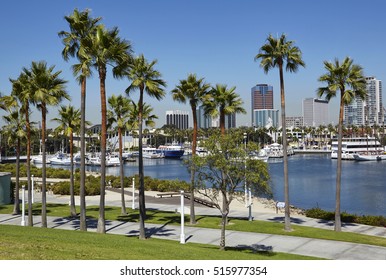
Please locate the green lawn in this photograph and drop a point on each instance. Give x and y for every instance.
(35, 243)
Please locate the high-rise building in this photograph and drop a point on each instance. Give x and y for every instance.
(265, 118)
(180, 119)
(315, 112)
(368, 111)
(261, 99)
(207, 121)
(293, 122)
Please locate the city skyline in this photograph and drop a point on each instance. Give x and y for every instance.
(217, 40)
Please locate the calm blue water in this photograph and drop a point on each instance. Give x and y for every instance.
(311, 181)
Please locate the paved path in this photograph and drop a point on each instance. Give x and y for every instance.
(296, 245)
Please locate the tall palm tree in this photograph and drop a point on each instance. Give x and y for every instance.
(144, 78)
(194, 91)
(21, 91)
(120, 107)
(281, 53)
(14, 130)
(49, 90)
(82, 26)
(69, 122)
(347, 78)
(106, 48)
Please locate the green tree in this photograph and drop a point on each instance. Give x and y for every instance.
(48, 90)
(69, 122)
(281, 53)
(106, 48)
(223, 102)
(82, 27)
(144, 78)
(346, 78)
(21, 91)
(120, 107)
(14, 130)
(194, 91)
(226, 169)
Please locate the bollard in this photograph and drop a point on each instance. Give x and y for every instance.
(182, 236)
(133, 196)
(23, 206)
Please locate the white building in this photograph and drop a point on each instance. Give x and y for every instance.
(315, 112)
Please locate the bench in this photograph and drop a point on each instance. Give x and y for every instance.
(168, 194)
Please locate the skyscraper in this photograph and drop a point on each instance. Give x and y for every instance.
(315, 112)
(368, 111)
(180, 119)
(262, 99)
(207, 121)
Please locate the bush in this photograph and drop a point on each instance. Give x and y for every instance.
(318, 213)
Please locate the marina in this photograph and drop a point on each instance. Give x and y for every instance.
(312, 179)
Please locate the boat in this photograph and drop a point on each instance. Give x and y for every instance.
(357, 146)
(111, 160)
(149, 152)
(60, 159)
(261, 155)
(274, 150)
(38, 159)
(171, 151)
(369, 156)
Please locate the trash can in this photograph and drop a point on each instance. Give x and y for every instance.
(5, 188)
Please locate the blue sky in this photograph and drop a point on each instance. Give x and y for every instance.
(215, 39)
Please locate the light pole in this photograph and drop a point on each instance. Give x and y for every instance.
(182, 236)
(248, 193)
(133, 195)
(23, 206)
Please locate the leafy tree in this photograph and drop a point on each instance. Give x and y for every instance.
(346, 78)
(223, 173)
(281, 53)
(48, 90)
(144, 78)
(194, 91)
(82, 27)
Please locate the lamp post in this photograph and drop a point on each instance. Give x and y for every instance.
(133, 195)
(23, 206)
(182, 236)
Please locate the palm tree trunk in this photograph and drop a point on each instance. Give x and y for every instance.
(122, 174)
(72, 194)
(193, 168)
(44, 173)
(287, 217)
(101, 220)
(16, 206)
(224, 219)
(28, 128)
(141, 195)
(338, 223)
(82, 191)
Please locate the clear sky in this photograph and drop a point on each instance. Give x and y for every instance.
(216, 39)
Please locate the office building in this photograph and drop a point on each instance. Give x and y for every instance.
(207, 121)
(315, 112)
(261, 98)
(294, 122)
(180, 119)
(265, 118)
(368, 111)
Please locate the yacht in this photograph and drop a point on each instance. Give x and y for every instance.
(356, 146)
(171, 151)
(150, 152)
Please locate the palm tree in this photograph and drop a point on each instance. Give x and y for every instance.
(21, 91)
(281, 53)
(120, 107)
(82, 26)
(193, 90)
(69, 122)
(223, 102)
(144, 78)
(15, 131)
(347, 78)
(106, 48)
(49, 90)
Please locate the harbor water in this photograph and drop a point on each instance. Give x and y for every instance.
(312, 181)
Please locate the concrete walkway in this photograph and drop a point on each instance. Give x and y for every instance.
(295, 245)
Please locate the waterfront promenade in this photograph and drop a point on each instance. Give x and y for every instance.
(295, 245)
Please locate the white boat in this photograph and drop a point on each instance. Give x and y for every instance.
(110, 161)
(274, 150)
(60, 159)
(357, 145)
(150, 152)
(370, 156)
(38, 159)
(261, 155)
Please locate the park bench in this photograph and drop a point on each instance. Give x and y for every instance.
(168, 194)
